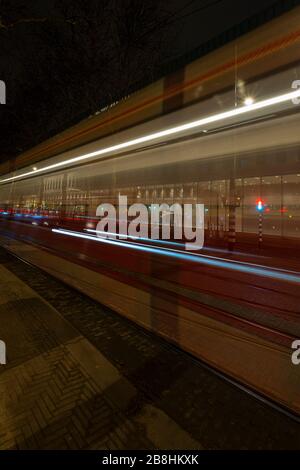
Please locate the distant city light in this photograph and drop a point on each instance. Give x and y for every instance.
(248, 101)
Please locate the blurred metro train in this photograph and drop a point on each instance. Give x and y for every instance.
(222, 131)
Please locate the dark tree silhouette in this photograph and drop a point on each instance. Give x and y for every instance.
(70, 58)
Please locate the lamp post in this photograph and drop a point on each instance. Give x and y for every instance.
(260, 208)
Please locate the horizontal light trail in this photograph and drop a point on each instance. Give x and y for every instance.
(165, 133)
(114, 235)
(155, 241)
(247, 268)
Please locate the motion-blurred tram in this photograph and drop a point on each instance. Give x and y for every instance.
(223, 131)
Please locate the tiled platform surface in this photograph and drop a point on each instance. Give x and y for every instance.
(79, 376)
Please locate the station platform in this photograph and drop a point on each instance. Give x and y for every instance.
(80, 376)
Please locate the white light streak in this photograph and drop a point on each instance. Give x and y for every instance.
(165, 133)
(248, 101)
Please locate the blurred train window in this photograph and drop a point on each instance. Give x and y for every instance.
(217, 213)
(251, 192)
(203, 197)
(291, 205)
(239, 213)
(272, 198)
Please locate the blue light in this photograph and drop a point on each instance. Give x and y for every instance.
(259, 205)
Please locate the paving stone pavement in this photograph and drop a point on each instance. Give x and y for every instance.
(80, 376)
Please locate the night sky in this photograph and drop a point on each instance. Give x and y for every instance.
(64, 60)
